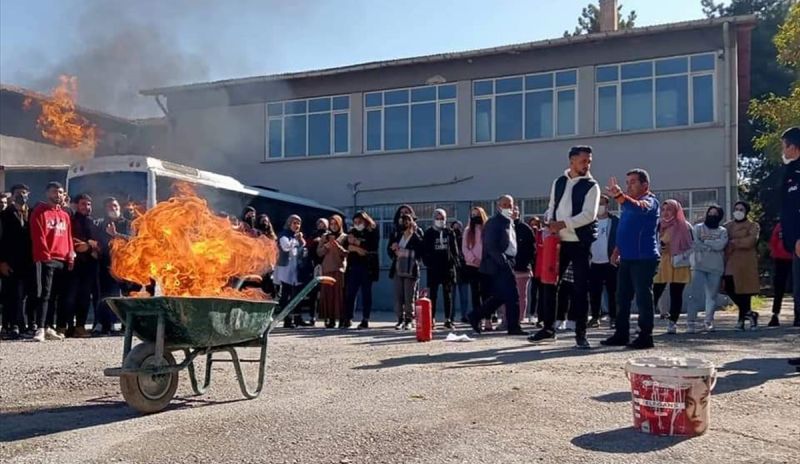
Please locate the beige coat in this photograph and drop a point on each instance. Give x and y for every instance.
(334, 259)
(741, 256)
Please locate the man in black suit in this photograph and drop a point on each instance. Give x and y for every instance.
(497, 267)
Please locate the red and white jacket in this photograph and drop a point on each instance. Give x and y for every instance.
(51, 234)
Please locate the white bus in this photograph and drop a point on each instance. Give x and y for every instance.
(145, 181)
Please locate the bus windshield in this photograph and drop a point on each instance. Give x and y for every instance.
(126, 187)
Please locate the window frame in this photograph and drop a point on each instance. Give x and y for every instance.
(409, 104)
(331, 126)
(554, 88)
(690, 75)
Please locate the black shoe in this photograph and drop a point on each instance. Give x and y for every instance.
(641, 343)
(753, 316)
(793, 361)
(494, 319)
(539, 325)
(288, 324)
(593, 324)
(774, 322)
(517, 331)
(14, 334)
(364, 324)
(582, 343)
(448, 324)
(399, 324)
(796, 323)
(614, 340)
(475, 324)
(543, 336)
(330, 324)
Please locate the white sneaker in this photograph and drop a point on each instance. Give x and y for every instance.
(39, 336)
(97, 329)
(672, 328)
(708, 326)
(561, 325)
(570, 325)
(691, 327)
(50, 334)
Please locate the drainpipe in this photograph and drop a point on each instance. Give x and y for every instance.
(730, 163)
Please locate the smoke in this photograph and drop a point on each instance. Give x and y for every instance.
(124, 47)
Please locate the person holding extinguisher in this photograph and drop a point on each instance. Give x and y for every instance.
(574, 200)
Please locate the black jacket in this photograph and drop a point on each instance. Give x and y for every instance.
(370, 241)
(84, 229)
(495, 242)
(440, 254)
(16, 248)
(415, 243)
(526, 247)
(790, 205)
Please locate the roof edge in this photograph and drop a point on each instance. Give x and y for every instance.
(525, 46)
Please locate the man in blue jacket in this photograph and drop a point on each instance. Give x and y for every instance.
(790, 213)
(637, 252)
(497, 268)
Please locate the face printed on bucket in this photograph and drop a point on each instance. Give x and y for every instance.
(697, 406)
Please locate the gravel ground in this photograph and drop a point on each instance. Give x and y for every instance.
(378, 396)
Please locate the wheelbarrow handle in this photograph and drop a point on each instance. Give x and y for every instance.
(324, 280)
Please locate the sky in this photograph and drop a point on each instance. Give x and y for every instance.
(150, 43)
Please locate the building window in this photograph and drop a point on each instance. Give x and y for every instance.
(669, 92)
(313, 127)
(410, 119)
(695, 202)
(536, 106)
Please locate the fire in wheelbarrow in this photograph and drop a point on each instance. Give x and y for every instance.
(192, 256)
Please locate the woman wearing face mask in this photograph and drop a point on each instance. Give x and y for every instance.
(741, 265)
(290, 251)
(400, 224)
(708, 264)
(362, 247)
(472, 247)
(674, 269)
(441, 258)
(405, 249)
(334, 262)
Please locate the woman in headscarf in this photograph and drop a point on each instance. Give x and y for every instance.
(674, 269)
(264, 227)
(362, 268)
(741, 266)
(334, 262)
(290, 251)
(708, 264)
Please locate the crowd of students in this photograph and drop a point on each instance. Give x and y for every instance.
(54, 261)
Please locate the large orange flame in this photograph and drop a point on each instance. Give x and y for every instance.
(189, 251)
(59, 122)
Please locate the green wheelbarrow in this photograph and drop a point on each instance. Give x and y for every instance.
(195, 326)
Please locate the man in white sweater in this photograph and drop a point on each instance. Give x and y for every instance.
(572, 214)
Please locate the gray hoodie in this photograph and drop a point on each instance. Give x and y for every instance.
(709, 249)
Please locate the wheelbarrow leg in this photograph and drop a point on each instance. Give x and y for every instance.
(198, 388)
(262, 363)
(126, 344)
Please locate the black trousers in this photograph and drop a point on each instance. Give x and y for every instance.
(476, 284)
(675, 298)
(289, 291)
(741, 300)
(579, 256)
(502, 291)
(780, 277)
(17, 289)
(563, 301)
(603, 276)
(447, 294)
(50, 278)
(82, 284)
(536, 296)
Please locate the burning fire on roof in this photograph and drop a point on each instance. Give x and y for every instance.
(189, 251)
(59, 123)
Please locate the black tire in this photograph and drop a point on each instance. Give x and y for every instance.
(147, 393)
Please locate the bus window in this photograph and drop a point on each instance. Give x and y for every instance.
(126, 187)
(219, 200)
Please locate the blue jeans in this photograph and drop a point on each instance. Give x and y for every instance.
(635, 277)
(709, 282)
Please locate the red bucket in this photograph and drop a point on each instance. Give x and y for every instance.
(671, 396)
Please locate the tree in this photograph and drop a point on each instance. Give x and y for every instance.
(589, 21)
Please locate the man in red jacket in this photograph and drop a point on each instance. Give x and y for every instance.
(53, 255)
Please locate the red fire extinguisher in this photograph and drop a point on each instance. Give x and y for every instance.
(548, 258)
(423, 316)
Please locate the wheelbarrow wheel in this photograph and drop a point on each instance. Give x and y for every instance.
(144, 392)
